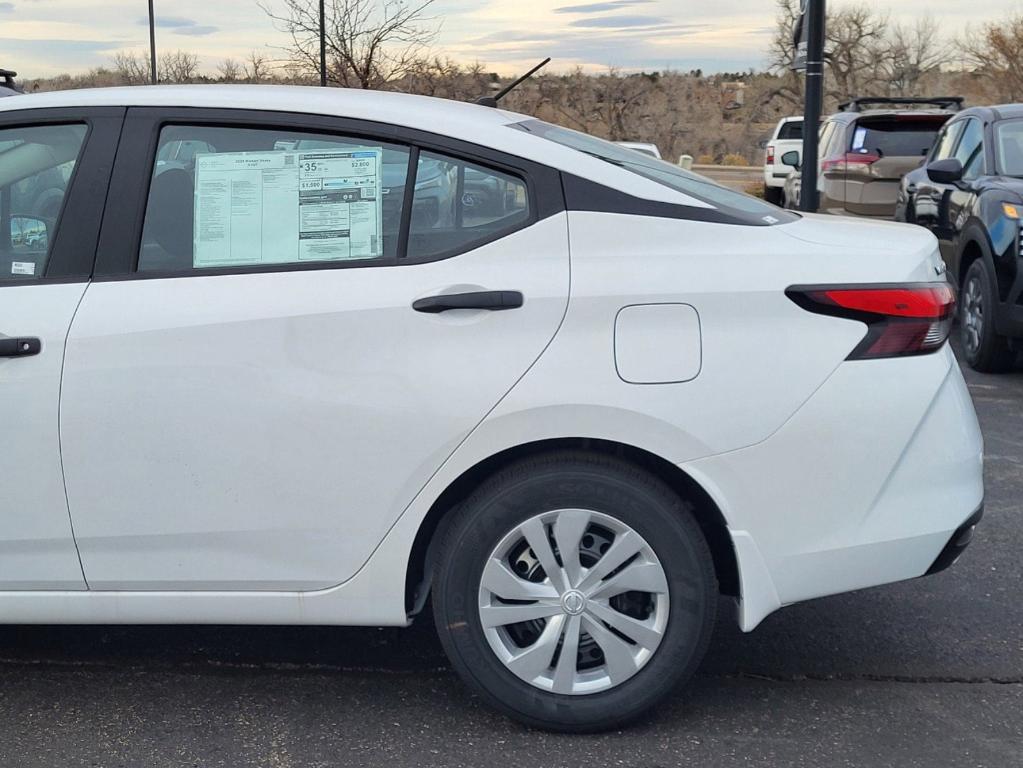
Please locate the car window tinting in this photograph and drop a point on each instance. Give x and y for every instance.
(895, 137)
(36, 164)
(742, 207)
(970, 151)
(242, 197)
(791, 130)
(457, 204)
(1009, 147)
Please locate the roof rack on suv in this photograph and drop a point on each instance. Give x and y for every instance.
(8, 79)
(942, 102)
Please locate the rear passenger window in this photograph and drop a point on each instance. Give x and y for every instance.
(791, 131)
(457, 206)
(241, 197)
(36, 164)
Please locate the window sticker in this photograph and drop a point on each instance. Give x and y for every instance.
(859, 139)
(23, 268)
(287, 206)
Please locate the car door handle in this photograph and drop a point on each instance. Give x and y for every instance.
(22, 347)
(494, 301)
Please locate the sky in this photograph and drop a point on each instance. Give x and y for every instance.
(45, 37)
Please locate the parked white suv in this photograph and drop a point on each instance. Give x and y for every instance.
(360, 348)
(787, 137)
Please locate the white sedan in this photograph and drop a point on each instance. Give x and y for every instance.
(309, 356)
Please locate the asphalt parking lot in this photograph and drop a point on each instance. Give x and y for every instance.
(923, 673)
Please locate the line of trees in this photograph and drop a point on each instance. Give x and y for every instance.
(387, 45)
(866, 54)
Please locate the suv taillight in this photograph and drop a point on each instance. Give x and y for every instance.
(770, 156)
(850, 160)
(911, 319)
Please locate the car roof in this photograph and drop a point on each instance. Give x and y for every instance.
(851, 117)
(996, 112)
(484, 126)
(380, 106)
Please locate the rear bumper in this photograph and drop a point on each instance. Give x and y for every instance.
(865, 485)
(961, 539)
(775, 175)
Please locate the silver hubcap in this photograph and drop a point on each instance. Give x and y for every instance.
(973, 316)
(573, 601)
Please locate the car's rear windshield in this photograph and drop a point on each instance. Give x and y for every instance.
(897, 136)
(1009, 148)
(792, 130)
(744, 208)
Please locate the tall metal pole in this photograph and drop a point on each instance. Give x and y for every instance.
(323, 45)
(152, 44)
(815, 13)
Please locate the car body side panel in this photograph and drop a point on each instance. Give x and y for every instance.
(269, 428)
(917, 478)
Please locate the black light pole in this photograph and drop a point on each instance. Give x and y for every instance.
(814, 21)
(152, 45)
(323, 46)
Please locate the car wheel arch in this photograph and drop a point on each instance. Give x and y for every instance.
(707, 512)
(973, 246)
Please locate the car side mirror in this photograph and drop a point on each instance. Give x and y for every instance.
(792, 158)
(29, 233)
(947, 171)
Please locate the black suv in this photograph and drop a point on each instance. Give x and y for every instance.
(969, 193)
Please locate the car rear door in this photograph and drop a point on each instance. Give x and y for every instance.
(883, 150)
(54, 171)
(289, 339)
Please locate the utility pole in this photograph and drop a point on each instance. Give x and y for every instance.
(152, 44)
(810, 56)
(323, 45)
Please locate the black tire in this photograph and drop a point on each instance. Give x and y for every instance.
(985, 350)
(574, 480)
(774, 195)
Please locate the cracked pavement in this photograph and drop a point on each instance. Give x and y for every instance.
(923, 673)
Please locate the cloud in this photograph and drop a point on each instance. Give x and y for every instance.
(196, 30)
(169, 22)
(180, 25)
(617, 22)
(58, 46)
(608, 5)
(6, 7)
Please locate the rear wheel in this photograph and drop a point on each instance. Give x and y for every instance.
(774, 195)
(984, 348)
(574, 592)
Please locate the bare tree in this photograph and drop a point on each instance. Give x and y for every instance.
(370, 43)
(856, 52)
(229, 70)
(995, 51)
(131, 67)
(864, 54)
(781, 55)
(178, 67)
(257, 66)
(913, 53)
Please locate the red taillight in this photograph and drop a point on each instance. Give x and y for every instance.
(848, 160)
(770, 155)
(901, 319)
